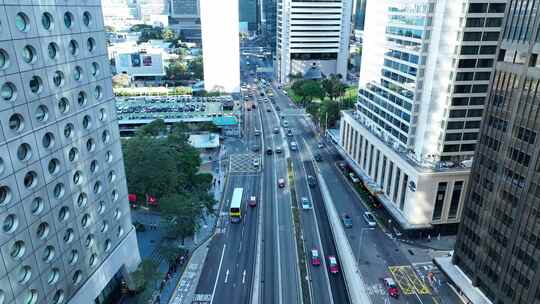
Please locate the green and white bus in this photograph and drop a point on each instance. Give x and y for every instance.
(235, 211)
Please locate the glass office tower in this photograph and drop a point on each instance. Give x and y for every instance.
(498, 246)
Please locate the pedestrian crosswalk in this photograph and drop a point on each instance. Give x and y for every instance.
(408, 280)
(244, 163)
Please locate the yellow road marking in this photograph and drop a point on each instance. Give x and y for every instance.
(408, 280)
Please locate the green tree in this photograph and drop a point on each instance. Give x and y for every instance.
(142, 278)
(329, 113)
(196, 68)
(310, 90)
(109, 28)
(169, 35)
(177, 70)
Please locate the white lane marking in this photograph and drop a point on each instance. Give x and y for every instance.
(244, 277)
(217, 276)
(240, 247)
(227, 276)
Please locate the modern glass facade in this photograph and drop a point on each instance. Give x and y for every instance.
(498, 245)
(249, 13)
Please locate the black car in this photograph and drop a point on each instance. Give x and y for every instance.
(317, 157)
(278, 108)
(269, 151)
(256, 148)
(312, 182)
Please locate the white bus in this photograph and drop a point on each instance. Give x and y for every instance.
(235, 211)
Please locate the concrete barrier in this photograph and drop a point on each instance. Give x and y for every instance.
(353, 278)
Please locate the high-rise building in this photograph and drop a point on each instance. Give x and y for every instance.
(66, 227)
(249, 13)
(312, 32)
(498, 246)
(359, 14)
(186, 18)
(268, 22)
(425, 73)
(221, 45)
(149, 8)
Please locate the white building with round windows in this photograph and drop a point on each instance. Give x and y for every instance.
(65, 226)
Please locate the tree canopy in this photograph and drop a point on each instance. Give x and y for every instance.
(161, 163)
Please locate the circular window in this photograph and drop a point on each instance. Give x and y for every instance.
(37, 206)
(73, 154)
(68, 237)
(73, 257)
(98, 92)
(48, 140)
(105, 136)
(47, 20)
(59, 190)
(53, 277)
(24, 273)
(117, 213)
(90, 144)
(108, 156)
(77, 277)
(29, 54)
(87, 18)
(5, 195)
(63, 214)
(114, 194)
(68, 19)
(53, 166)
(77, 177)
(91, 44)
(101, 207)
(84, 220)
(17, 249)
(82, 98)
(48, 254)
(107, 245)
(111, 176)
(63, 105)
(82, 199)
(92, 260)
(4, 60)
(11, 222)
(97, 187)
(102, 114)
(16, 122)
(89, 241)
(24, 152)
(31, 297)
(68, 130)
(77, 73)
(94, 166)
(58, 297)
(104, 226)
(52, 50)
(95, 69)
(22, 23)
(8, 91)
(36, 84)
(30, 179)
(87, 122)
(58, 78)
(119, 231)
(42, 113)
(73, 47)
(42, 230)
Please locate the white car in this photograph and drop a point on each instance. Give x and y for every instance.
(370, 219)
(306, 204)
(256, 163)
(353, 177)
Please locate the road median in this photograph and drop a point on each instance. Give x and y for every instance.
(299, 239)
(354, 282)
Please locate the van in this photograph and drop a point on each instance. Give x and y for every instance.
(293, 146)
